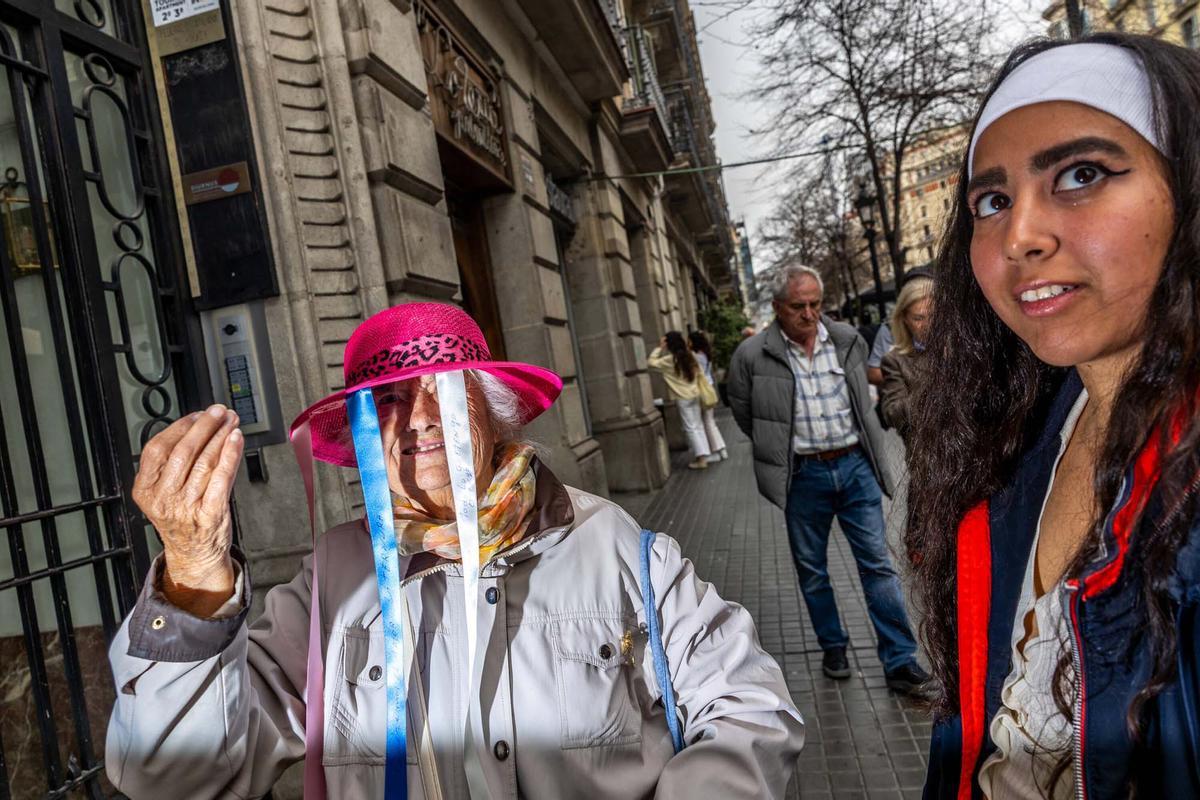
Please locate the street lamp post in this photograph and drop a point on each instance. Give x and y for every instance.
(865, 204)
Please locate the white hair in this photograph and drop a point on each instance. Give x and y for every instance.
(504, 406)
(794, 272)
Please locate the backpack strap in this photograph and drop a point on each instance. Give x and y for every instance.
(662, 670)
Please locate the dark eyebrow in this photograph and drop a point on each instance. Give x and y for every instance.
(1052, 155)
(992, 177)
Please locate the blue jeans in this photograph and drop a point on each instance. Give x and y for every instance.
(846, 487)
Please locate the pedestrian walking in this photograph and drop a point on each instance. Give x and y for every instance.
(903, 364)
(520, 657)
(702, 351)
(1054, 481)
(799, 391)
(687, 384)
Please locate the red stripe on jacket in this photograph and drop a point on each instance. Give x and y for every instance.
(974, 606)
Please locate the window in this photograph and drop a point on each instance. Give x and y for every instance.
(946, 203)
(1087, 20)
(1189, 32)
(929, 253)
(943, 184)
(1152, 13)
(927, 232)
(923, 211)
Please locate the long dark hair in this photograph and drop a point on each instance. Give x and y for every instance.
(699, 343)
(992, 394)
(685, 362)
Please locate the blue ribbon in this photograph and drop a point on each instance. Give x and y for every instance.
(662, 669)
(368, 447)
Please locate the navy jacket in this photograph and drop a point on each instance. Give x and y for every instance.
(996, 539)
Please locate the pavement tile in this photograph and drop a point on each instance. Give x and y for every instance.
(862, 739)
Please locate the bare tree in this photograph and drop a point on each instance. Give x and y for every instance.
(873, 76)
(812, 226)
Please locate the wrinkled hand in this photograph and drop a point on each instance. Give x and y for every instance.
(183, 486)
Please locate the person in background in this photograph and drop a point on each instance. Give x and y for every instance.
(702, 351)
(902, 366)
(682, 374)
(884, 339)
(880, 345)
(799, 391)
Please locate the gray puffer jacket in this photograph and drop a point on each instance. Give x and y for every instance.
(762, 392)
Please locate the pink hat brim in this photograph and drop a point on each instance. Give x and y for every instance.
(536, 387)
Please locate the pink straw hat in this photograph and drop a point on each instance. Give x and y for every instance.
(407, 341)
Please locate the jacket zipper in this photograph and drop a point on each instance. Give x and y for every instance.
(451, 564)
(1073, 586)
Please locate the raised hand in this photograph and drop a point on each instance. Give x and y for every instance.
(183, 486)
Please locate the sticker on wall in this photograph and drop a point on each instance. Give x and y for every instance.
(216, 183)
(167, 12)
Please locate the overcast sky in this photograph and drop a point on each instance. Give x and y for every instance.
(729, 68)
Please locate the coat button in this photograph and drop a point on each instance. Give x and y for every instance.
(501, 750)
(606, 650)
(376, 673)
(159, 623)
(492, 595)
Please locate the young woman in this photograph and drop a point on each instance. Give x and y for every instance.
(682, 374)
(702, 352)
(1054, 483)
(903, 365)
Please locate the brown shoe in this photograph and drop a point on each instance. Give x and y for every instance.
(699, 463)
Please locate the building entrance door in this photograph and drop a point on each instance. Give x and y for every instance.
(475, 269)
(96, 355)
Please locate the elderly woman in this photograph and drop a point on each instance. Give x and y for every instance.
(567, 695)
(902, 365)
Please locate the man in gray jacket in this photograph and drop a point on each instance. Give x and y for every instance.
(799, 391)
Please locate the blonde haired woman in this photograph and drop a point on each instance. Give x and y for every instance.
(902, 365)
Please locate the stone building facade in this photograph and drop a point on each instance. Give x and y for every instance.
(480, 151)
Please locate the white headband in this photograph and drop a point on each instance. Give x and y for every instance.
(1104, 76)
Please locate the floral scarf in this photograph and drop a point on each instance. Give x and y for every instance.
(503, 512)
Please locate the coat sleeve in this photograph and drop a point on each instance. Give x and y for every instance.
(894, 394)
(208, 708)
(743, 732)
(661, 361)
(738, 387)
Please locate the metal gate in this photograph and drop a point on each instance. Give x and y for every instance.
(95, 357)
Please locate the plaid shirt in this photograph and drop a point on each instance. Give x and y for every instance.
(821, 417)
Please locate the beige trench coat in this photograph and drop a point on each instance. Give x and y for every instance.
(568, 705)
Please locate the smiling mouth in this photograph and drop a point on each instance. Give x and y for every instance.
(424, 448)
(1047, 292)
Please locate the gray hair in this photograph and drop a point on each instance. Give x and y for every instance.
(504, 406)
(794, 272)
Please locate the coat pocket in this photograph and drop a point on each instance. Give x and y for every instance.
(356, 733)
(596, 701)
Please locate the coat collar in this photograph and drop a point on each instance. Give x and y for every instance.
(776, 344)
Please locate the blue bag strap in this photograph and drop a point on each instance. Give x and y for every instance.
(368, 447)
(662, 670)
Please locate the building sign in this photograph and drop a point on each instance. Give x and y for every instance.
(464, 95)
(216, 183)
(167, 12)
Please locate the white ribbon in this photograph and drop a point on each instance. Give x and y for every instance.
(456, 428)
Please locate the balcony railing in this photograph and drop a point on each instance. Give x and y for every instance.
(639, 50)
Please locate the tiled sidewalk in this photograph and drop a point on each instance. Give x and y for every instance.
(862, 740)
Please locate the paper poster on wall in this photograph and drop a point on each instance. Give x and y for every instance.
(168, 11)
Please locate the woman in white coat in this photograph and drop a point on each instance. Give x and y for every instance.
(564, 698)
